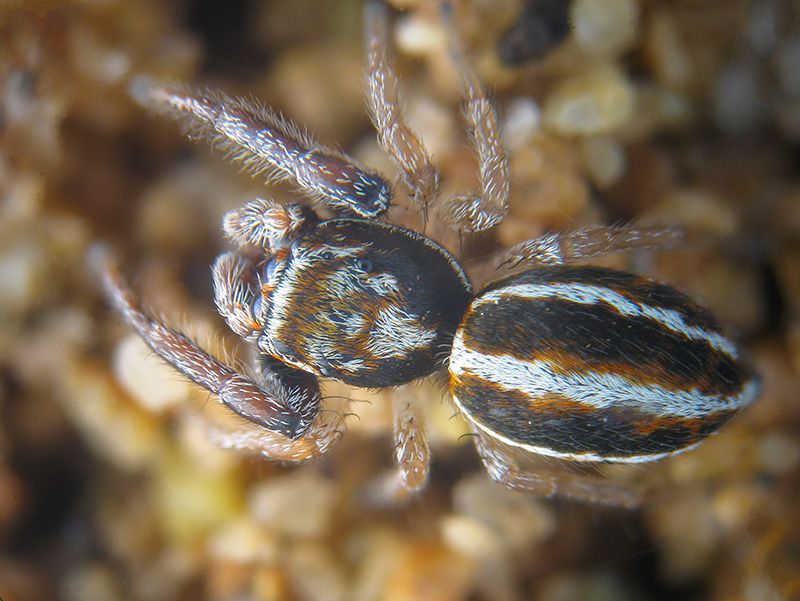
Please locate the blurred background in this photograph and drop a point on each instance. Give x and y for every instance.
(683, 112)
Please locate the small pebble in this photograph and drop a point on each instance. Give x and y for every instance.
(778, 452)
(550, 190)
(322, 88)
(695, 208)
(92, 581)
(541, 27)
(417, 36)
(737, 106)
(523, 117)
(244, 540)
(668, 55)
(686, 534)
(605, 160)
(150, 381)
(192, 502)
(21, 202)
(299, 504)
(429, 572)
(594, 103)
(605, 28)
(118, 430)
(24, 271)
(516, 520)
(469, 536)
(438, 128)
(315, 573)
(96, 59)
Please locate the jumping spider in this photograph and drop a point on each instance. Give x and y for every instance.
(583, 364)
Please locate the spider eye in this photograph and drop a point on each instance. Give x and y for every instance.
(327, 371)
(257, 304)
(364, 264)
(269, 269)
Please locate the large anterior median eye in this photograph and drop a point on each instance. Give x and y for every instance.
(269, 269)
(258, 303)
(364, 264)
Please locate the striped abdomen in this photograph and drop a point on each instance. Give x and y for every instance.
(595, 364)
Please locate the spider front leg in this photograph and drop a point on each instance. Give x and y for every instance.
(502, 466)
(247, 437)
(267, 143)
(284, 401)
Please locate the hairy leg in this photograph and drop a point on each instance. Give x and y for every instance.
(243, 436)
(285, 400)
(488, 206)
(565, 247)
(266, 143)
(411, 451)
(411, 440)
(419, 174)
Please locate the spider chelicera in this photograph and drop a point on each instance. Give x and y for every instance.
(583, 364)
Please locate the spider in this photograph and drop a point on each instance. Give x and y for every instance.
(584, 364)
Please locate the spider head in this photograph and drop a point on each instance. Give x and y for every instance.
(362, 302)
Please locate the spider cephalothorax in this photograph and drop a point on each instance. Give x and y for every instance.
(579, 363)
(363, 302)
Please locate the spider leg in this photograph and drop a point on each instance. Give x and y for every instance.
(502, 467)
(411, 450)
(565, 247)
(419, 174)
(411, 441)
(266, 143)
(246, 437)
(286, 401)
(487, 207)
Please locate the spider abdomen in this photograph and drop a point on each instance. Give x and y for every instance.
(594, 364)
